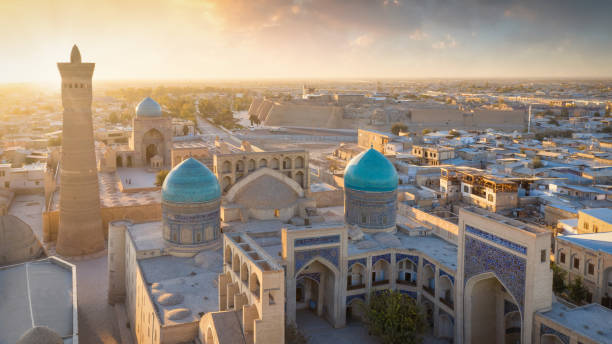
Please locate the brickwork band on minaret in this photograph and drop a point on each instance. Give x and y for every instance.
(80, 221)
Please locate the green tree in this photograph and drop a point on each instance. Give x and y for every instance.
(398, 127)
(454, 133)
(577, 291)
(294, 336)
(160, 177)
(254, 119)
(225, 118)
(537, 162)
(564, 113)
(395, 318)
(559, 276)
(55, 141)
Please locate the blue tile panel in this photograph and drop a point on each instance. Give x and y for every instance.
(350, 298)
(362, 261)
(330, 239)
(414, 259)
(510, 269)
(547, 330)
(315, 276)
(427, 262)
(412, 294)
(494, 238)
(444, 273)
(386, 257)
(331, 254)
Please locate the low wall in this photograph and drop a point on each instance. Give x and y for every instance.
(134, 213)
(442, 228)
(329, 198)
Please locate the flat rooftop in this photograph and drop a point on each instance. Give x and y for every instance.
(593, 321)
(604, 214)
(593, 241)
(37, 293)
(192, 281)
(430, 245)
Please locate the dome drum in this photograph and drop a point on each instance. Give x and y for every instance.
(371, 211)
(370, 192)
(191, 201)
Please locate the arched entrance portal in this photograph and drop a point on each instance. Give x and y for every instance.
(492, 314)
(152, 144)
(151, 152)
(315, 289)
(119, 161)
(551, 339)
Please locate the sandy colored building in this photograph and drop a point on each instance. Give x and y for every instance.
(588, 256)
(596, 220)
(433, 155)
(80, 222)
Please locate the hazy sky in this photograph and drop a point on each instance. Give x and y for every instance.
(233, 39)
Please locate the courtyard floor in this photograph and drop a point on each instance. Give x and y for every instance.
(320, 331)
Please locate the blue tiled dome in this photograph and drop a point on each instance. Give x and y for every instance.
(148, 108)
(370, 171)
(190, 182)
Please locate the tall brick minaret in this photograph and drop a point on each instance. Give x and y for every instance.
(80, 221)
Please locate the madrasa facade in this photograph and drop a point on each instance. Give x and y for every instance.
(235, 262)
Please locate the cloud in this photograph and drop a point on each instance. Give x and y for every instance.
(418, 35)
(447, 42)
(362, 41)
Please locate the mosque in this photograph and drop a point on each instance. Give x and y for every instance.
(220, 270)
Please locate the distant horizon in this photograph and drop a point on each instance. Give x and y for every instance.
(308, 39)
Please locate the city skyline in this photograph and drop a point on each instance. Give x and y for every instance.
(199, 40)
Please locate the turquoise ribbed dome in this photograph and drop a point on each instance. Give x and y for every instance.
(190, 182)
(148, 108)
(370, 171)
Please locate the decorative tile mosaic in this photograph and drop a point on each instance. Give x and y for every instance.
(427, 262)
(509, 307)
(412, 294)
(414, 259)
(331, 254)
(444, 273)
(547, 330)
(481, 257)
(386, 257)
(315, 276)
(362, 261)
(353, 297)
(494, 238)
(330, 239)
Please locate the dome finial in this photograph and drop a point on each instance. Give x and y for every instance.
(75, 55)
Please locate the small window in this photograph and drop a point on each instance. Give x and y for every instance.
(363, 219)
(562, 257)
(466, 189)
(7, 184)
(591, 269)
(490, 197)
(595, 229)
(586, 225)
(543, 256)
(276, 213)
(576, 263)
